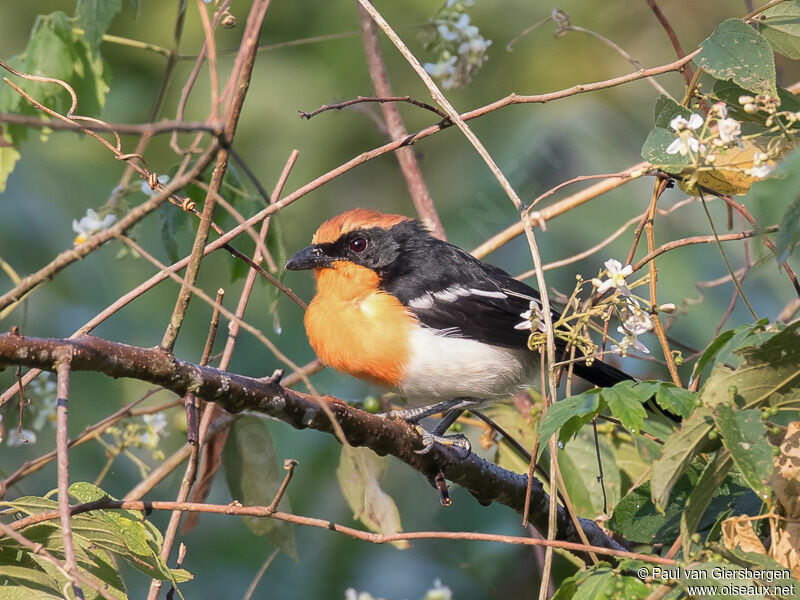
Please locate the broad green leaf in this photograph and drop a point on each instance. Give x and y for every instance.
(677, 453)
(676, 400)
(696, 504)
(579, 409)
(625, 402)
(736, 52)
(768, 370)
(578, 465)
(171, 220)
(254, 477)
(94, 17)
(609, 585)
(667, 109)
(359, 475)
(780, 25)
(743, 337)
(636, 519)
(745, 436)
(603, 582)
(47, 55)
(654, 151)
(723, 348)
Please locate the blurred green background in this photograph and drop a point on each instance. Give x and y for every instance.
(537, 146)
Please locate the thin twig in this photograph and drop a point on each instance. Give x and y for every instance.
(62, 439)
(371, 99)
(375, 538)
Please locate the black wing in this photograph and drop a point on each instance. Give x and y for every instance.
(449, 290)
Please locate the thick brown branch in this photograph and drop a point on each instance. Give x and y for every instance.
(484, 480)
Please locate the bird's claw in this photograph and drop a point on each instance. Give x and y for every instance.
(458, 442)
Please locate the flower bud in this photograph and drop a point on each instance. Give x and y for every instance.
(746, 99)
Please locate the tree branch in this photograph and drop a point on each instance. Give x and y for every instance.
(235, 393)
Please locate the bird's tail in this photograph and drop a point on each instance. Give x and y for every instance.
(600, 374)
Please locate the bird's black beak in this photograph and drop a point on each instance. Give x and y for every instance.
(312, 257)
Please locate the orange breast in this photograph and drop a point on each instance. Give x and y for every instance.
(356, 328)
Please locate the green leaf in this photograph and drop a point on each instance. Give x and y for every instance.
(745, 436)
(359, 475)
(676, 400)
(578, 410)
(677, 453)
(780, 25)
(667, 109)
(9, 156)
(94, 17)
(47, 55)
(254, 477)
(654, 151)
(699, 499)
(603, 582)
(171, 221)
(768, 370)
(735, 51)
(637, 520)
(578, 465)
(625, 401)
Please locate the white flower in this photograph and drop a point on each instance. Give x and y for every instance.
(679, 123)
(15, 439)
(445, 33)
(531, 317)
(90, 225)
(616, 278)
(147, 190)
(442, 68)
(628, 341)
(761, 171)
(156, 424)
(729, 130)
(636, 320)
(684, 144)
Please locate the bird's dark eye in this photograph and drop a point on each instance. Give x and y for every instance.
(358, 245)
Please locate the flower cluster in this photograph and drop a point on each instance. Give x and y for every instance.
(460, 47)
(635, 322)
(91, 225)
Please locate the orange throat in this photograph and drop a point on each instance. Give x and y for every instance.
(356, 328)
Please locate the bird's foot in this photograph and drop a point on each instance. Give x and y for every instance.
(458, 442)
(417, 413)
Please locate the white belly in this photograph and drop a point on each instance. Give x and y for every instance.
(442, 368)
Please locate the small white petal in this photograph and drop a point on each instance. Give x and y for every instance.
(695, 121)
(676, 146)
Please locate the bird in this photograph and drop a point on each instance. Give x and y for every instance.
(401, 308)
